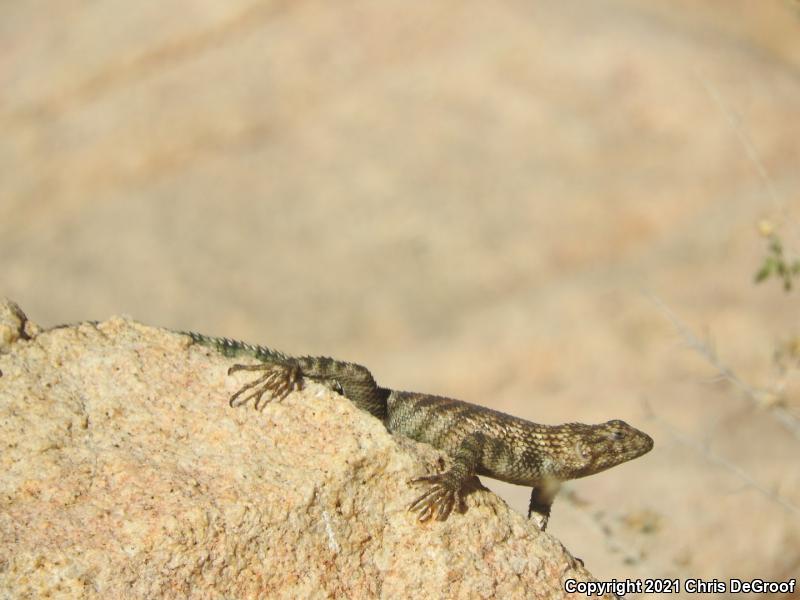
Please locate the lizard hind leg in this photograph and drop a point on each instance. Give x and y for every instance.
(438, 501)
(279, 380)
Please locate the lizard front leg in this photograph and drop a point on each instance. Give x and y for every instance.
(445, 493)
(541, 500)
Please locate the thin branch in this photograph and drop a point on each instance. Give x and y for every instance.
(760, 398)
(598, 522)
(735, 123)
(703, 449)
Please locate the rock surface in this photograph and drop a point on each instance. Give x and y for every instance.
(125, 474)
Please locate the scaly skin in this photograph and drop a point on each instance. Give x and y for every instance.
(480, 441)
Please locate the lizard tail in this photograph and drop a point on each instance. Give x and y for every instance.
(234, 348)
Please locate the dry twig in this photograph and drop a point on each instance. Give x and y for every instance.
(761, 398)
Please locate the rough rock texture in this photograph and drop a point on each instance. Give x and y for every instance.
(125, 474)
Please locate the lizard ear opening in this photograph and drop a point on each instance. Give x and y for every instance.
(583, 453)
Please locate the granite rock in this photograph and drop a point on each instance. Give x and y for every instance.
(126, 474)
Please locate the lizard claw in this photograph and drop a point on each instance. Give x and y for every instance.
(438, 501)
(278, 379)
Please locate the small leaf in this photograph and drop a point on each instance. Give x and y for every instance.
(763, 273)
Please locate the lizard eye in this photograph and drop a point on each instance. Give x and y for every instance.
(617, 436)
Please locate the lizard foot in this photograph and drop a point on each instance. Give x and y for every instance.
(439, 500)
(278, 379)
(540, 520)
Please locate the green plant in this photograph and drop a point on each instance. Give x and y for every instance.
(775, 264)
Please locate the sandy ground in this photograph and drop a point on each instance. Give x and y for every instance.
(492, 201)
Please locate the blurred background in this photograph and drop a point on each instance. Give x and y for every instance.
(552, 209)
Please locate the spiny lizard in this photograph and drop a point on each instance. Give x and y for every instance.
(480, 441)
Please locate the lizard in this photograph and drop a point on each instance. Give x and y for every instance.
(479, 440)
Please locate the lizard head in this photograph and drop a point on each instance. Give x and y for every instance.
(600, 447)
